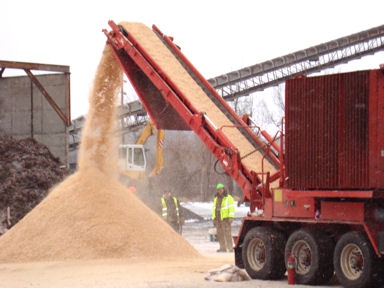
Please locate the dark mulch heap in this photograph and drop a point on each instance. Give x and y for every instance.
(27, 171)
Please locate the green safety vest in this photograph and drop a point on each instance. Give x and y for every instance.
(227, 207)
(164, 211)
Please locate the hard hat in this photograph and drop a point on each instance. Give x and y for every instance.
(132, 189)
(219, 186)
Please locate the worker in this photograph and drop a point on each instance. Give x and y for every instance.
(171, 211)
(223, 212)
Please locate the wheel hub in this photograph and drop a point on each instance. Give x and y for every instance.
(257, 254)
(302, 252)
(352, 261)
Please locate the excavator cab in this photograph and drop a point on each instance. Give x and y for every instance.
(132, 163)
(132, 157)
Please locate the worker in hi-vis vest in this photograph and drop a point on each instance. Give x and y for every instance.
(223, 212)
(171, 211)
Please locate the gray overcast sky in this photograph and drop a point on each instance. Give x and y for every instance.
(217, 36)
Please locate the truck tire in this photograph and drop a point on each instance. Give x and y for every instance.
(263, 253)
(355, 261)
(312, 251)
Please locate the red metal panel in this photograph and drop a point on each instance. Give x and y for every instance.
(334, 131)
(376, 124)
(286, 204)
(346, 211)
(311, 137)
(353, 130)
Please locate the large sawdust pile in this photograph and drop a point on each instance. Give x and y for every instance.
(91, 215)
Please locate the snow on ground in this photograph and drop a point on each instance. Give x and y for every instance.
(204, 209)
(197, 231)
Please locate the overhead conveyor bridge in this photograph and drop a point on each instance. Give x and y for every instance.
(270, 73)
(177, 97)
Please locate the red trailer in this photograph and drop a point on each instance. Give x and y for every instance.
(328, 211)
(317, 195)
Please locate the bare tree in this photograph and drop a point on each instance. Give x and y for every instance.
(242, 105)
(268, 110)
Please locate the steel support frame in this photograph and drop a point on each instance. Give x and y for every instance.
(27, 67)
(215, 141)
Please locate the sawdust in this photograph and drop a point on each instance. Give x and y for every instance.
(177, 74)
(90, 215)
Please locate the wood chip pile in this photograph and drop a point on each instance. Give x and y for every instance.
(90, 215)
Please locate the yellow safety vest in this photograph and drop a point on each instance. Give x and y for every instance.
(227, 207)
(164, 211)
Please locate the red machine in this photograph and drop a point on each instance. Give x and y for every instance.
(317, 195)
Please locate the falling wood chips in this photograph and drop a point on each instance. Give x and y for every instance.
(90, 215)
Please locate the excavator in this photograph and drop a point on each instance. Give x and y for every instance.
(149, 130)
(132, 158)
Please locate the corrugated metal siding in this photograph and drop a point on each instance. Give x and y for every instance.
(376, 129)
(353, 131)
(327, 133)
(311, 149)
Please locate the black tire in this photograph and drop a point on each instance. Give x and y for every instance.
(312, 251)
(355, 261)
(263, 253)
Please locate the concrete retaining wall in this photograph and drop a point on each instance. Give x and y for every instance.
(25, 112)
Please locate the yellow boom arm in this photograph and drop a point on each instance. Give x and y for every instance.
(149, 130)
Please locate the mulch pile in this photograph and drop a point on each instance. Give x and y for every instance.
(27, 171)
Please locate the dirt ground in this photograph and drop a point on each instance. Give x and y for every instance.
(119, 273)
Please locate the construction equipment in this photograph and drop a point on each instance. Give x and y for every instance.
(149, 130)
(132, 158)
(317, 195)
(132, 162)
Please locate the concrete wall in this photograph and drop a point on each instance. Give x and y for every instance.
(25, 112)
